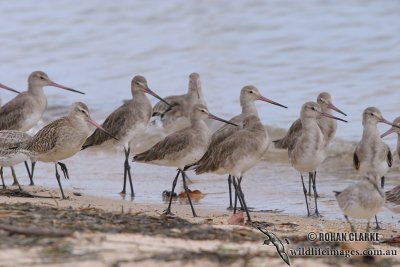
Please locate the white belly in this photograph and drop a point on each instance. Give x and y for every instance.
(378, 170)
(308, 163)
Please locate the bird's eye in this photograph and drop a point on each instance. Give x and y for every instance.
(203, 110)
(313, 108)
(251, 92)
(83, 111)
(41, 77)
(372, 114)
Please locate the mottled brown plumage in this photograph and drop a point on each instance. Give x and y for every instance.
(393, 199)
(11, 138)
(61, 138)
(126, 121)
(238, 152)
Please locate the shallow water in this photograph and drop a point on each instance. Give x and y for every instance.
(290, 50)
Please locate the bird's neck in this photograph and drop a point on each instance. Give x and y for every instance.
(196, 123)
(36, 91)
(139, 97)
(370, 130)
(249, 108)
(195, 96)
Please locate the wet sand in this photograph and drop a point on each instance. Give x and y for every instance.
(105, 232)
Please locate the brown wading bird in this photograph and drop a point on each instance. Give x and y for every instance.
(361, 200)
(182, 148)
(248, 95)
(327, 126)
(26, 109)
(186, 102)
(11, 138)
(393, 195)
(4, 142)
(59, 140)
(372, 156)
(236, 154)
(308, 150)
(167, 119)
(126, 123)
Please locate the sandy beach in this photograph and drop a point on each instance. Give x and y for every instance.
(91, 231)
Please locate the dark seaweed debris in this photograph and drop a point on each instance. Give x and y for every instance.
(96, 220)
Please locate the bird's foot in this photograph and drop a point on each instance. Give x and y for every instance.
(32, 183)
(167, 213)
(317, 214)
(377, 228)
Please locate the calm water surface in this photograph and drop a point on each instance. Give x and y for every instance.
(291, 50)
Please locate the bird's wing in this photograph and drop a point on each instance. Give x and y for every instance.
(389, 157)
(9, 138)
(221, 153)
(11, 114)
(292, 134)
(218, 137)
(113, 124)
(170, 145)
(46, 139)
(356, 161)
(393, 195)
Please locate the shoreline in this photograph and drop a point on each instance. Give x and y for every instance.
(194, 246)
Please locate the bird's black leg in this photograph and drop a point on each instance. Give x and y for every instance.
(15, 178)
(15, 181)
(2, 178)
(310, 178)
(235, 186)
(59, 182)
(33, 164)
(64, 169)
(241, 195)
(316, 213)
(27, 169)
(305, 194)
(125, 173)
(315, 182)
(378, 227)
(351, 226)
(230, 192)
(187, 192)
(168, 210)
(128, 170)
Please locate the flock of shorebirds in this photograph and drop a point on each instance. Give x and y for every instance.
(175, 132)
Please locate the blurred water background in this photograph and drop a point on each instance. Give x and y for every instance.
(291, 50)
